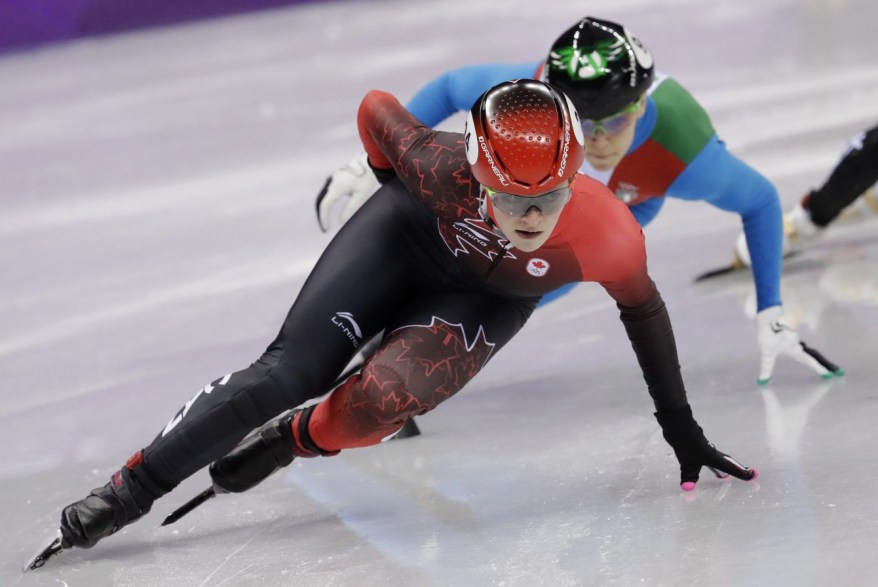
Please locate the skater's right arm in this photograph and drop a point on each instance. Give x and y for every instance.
(431, 164)
(453, 91)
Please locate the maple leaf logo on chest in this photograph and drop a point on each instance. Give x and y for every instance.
(473, 235)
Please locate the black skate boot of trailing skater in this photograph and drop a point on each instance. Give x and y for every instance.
(107, 509)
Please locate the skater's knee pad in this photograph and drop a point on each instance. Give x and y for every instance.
(381, 397)
(419, 367)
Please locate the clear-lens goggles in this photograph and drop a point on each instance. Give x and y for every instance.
(548, 203)
(611, 125)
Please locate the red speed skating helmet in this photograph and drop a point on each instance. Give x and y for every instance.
(523, 137)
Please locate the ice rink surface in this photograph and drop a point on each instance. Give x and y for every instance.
(157, 219)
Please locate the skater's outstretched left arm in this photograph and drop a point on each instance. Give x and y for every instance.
(728, 183)
(649, 329)
(643, 313)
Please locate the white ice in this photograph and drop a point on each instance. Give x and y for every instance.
(157, 218)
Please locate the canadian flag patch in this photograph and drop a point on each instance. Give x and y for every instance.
(537, 267)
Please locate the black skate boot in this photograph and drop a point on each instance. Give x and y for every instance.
(257, 457)
(128, 496)
(271, 448)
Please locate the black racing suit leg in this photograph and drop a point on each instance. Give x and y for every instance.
(387, 256)
(362, 277)
(440, 341)
(856, 172)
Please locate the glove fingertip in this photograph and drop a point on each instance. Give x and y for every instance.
(687, 485)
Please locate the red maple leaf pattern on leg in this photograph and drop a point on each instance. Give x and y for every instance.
(416, 369)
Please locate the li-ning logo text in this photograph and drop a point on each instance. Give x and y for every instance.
(346, 323)
(493, 165)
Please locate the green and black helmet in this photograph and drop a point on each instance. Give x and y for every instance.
(601, 66)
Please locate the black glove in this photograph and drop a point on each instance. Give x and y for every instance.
(693, 450)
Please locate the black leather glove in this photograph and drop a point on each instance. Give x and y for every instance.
(693, 450)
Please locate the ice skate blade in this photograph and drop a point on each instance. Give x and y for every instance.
(190, 505)
(734, 266)
(408, 430)
(56, 546)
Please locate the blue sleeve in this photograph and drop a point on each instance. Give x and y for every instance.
(457, 89)
(718, 177)
(646, 211)
(555, 294)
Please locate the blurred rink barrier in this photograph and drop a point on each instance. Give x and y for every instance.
(27, 24)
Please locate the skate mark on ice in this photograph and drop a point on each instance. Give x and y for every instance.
(224, 581)
(228, 558)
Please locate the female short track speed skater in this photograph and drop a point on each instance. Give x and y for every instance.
(647, 138)
(449, 258)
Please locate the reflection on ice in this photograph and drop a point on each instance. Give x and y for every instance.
(179, 184)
